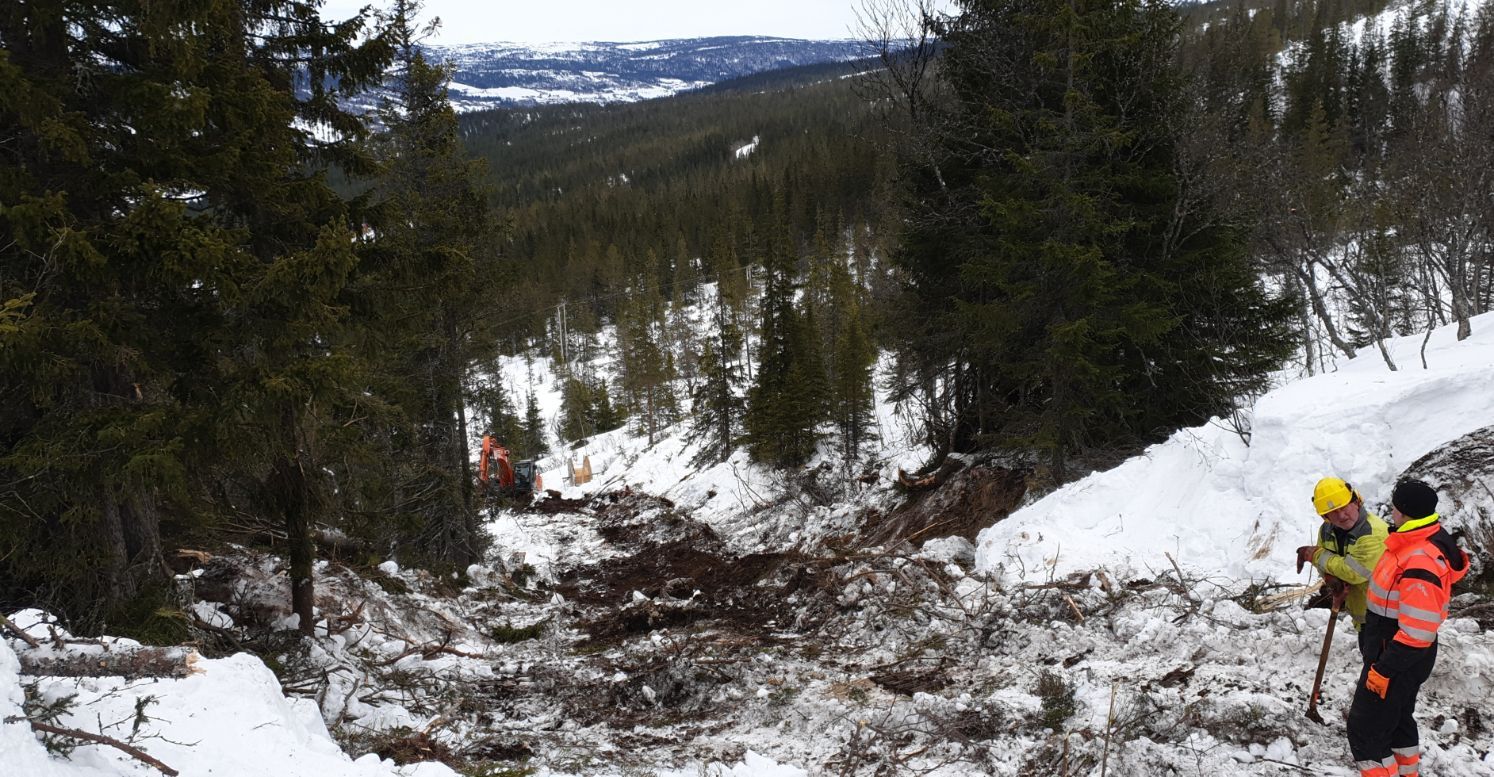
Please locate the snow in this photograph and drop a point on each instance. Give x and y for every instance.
(1405, 12)
(729, 496)
(1222, 507)
(753, 765)
(227, 718)
(747, 149)
(1194, 676)
(466, 97)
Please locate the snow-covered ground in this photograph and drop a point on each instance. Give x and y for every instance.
(737, 499)
(717, 621)
(1222, 507)
(1217, 666)
(229, 716)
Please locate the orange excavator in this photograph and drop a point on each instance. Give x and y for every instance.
(497, 476)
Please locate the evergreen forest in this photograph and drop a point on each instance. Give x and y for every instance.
(235, 310)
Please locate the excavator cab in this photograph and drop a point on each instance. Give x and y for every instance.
(499, 477)
(526, 477)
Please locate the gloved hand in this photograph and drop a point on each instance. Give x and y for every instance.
(1337, 589)
(1307, 554)
(1377, 683)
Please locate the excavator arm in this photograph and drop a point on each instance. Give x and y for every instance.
(494, 465)
(498, 474)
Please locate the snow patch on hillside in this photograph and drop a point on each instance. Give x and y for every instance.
(737, 498)
(1220, 506)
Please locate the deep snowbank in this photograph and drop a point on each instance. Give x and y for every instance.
(1224, 508)
(229, 718)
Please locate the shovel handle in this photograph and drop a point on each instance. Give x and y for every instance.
(1317, 683)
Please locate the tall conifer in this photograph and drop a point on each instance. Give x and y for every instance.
(178, 347)
(787, 401)
(716, 409)
(430, 284)
(1064, 295)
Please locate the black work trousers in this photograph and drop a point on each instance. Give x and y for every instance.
(1376, 725)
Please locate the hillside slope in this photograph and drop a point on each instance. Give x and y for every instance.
(1222, 507)
(646, 625)
(493, 75)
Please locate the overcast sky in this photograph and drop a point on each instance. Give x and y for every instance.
(543, 21)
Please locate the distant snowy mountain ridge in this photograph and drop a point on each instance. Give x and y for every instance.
(492, 75)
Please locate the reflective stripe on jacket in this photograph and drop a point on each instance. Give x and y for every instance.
(1351, 556)
(1409, 592)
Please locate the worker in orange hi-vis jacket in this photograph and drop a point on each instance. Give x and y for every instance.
(1408, 597)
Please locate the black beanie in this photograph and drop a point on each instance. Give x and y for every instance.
(1414, 499)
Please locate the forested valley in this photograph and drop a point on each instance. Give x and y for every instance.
(234, 311)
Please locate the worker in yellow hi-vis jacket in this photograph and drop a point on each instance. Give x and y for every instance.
(1350, 543)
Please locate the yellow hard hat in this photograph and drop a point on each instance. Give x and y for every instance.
(1331, 494)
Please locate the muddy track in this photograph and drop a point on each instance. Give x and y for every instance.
(673, 584)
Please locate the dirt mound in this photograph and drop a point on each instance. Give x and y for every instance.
(554, 503)
(649, 571)
(964, 504)
(676, 584)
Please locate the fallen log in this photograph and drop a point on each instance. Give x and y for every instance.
(195, 556)
(130, 663)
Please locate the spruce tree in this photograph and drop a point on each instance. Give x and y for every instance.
(602, 414)
(1064, 295)
(498, 416)
(175, 357)
(532, 443)
(787, 401)
(577, 421)
(716, 407)
(283, 389)
(586, 409)
(429, 281)
(853, 356)
(97, 261)
(646, 369)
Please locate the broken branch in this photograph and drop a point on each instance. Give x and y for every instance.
(72, 733)
(1077, 613)
(27, 638)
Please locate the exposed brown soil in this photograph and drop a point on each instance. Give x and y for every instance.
(684, 585)
(967, 502)
(910, 681)
(415, 748)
